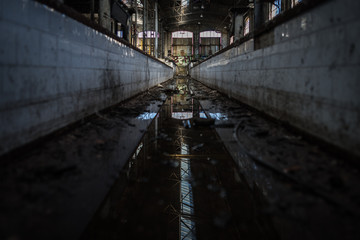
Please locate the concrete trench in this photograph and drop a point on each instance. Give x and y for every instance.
(98, 143)
(256, 190)
(155, 167)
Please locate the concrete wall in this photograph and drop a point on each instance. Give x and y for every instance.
(55, 70)
(310, 77)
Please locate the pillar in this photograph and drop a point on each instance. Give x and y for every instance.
(259, 13)
(162, 39)
(104, 14)
(144, 24)
(92, 9)
(196, 44)
(156, 29)
(136, 23)
(285, 5)
(239, 22)
(224, 39)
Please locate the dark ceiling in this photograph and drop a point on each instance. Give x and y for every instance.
(198, 15)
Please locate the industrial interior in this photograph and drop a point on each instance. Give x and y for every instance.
(180, 119)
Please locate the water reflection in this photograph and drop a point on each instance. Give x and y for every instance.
(183, 106)
(179, 182)
(187, 225)
(202, 115)
(219, 116)
(146, 116)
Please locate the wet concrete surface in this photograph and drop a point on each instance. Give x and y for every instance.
(182, 184)
(51, 189)
(311, 190)
(250, 178)
(207, 167)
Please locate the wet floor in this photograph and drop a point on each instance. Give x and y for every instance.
(197, 175)
(188, 163)
(181, 184)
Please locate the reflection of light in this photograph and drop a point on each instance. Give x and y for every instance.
(135, 155)
(138, 149)
(303, 23)
(184, 148)
(146, 116)
(187, 225)
(218, 116)
(202, 115)
(182, 115)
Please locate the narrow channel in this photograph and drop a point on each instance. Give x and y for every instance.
(180, 183)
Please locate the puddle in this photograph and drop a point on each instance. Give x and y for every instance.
(146, 116)
(179, 182)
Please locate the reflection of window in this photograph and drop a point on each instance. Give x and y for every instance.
(294, 2)
(274, 9)
(146, 116)
(184, 3)
(182, 115)
(247, 26)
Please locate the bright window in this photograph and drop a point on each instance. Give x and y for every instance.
(294, 2)
(149, 34)
(210, 34)
(182, 34)
(247, 26)
(274, 9)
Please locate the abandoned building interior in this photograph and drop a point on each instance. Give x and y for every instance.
(180, 119)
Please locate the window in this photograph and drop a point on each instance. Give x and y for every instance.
(210, 42)
(274, 9)
(294, 2)
(182, 43)
(231, 39)
(149, 34)
(247, 26)
(182, 34)
(210, 34)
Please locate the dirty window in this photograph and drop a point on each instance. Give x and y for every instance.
(210, 34)
(182, 34)
(294, 2)
(149, 34)
(274, 9)
(247, 26)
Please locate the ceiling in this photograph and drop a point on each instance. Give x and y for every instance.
(198, 14)
(190, 15)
